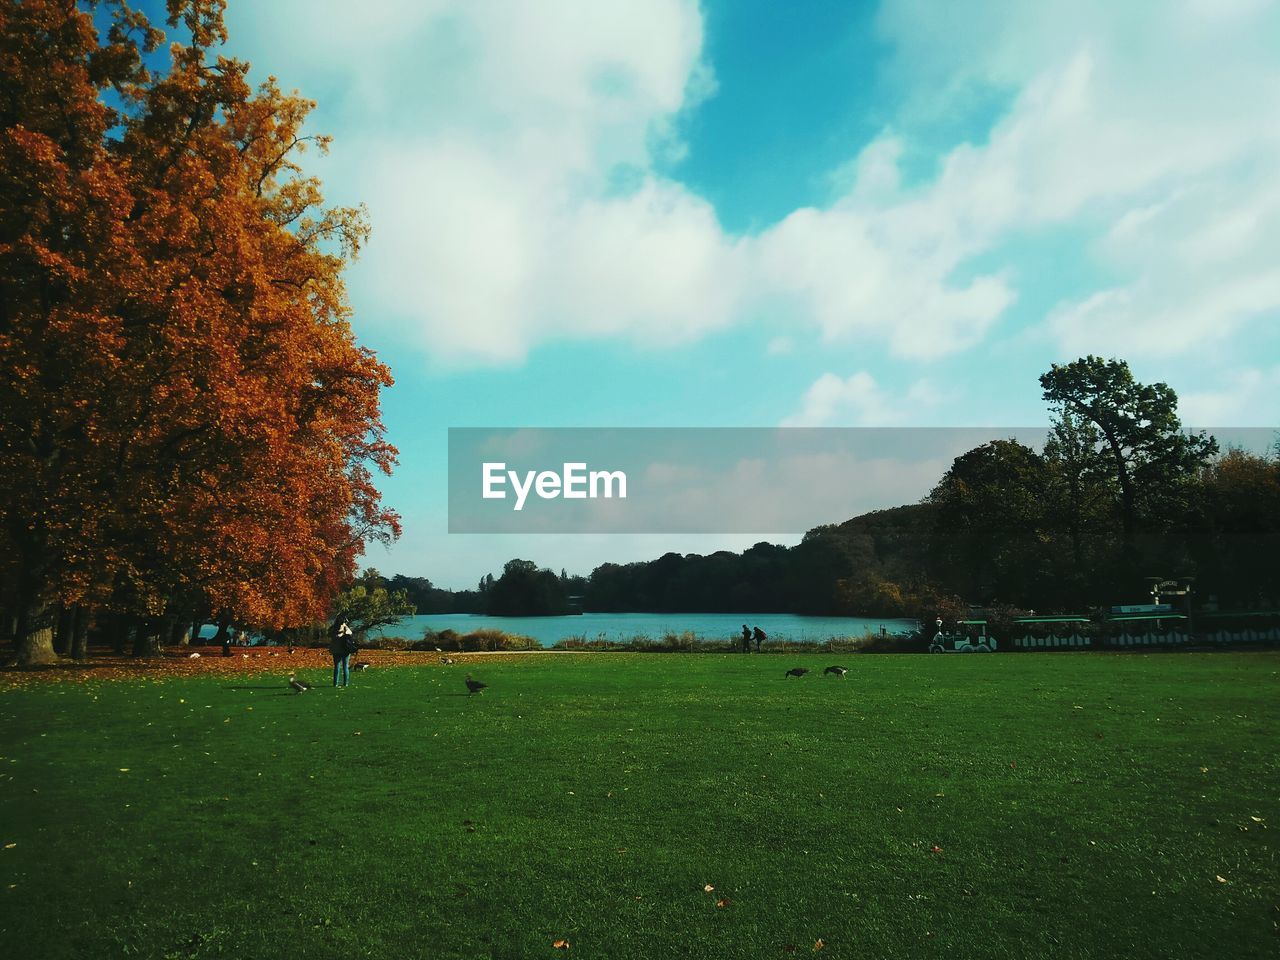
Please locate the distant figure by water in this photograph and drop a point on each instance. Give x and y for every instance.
(746, 639)
(760, 637)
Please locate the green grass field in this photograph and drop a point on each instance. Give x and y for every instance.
(1013, 806)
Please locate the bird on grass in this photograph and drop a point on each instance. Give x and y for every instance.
(300, 685)
(474, 686)
(446, 661)
(796, 672)
(838, 671)
(360, 666)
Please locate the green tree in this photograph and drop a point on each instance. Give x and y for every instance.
(1139, 440)
(1235, 529)
(1081, 509)
(991, 539)
(367, 608)
(524, 590)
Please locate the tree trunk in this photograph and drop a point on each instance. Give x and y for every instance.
(62, 635)
(35, 636)
(146, 641)
(224, 625)
(80, 635)
(119, 633)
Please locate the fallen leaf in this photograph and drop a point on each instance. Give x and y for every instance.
(936, 848)
(10, 846)
(708, 888)
(723, 902)
(124, 769)
(818, 945)
(561, 944)
(1220, 879)
(1257, 819)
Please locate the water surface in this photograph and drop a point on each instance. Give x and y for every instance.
(623, 626)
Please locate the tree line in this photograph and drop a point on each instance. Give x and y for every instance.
(1118, 493)
(189, 430)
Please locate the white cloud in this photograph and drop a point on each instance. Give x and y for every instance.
(779, 346)
(859, 401)
(1146, 124)
(1248, 399)
(508, 153)
(1202, 264)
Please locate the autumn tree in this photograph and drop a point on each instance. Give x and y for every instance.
(193, 427)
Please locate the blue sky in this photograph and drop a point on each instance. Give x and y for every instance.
(666, 213)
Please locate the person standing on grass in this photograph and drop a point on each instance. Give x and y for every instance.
(761, 637)
(342, 644)
(746, 639)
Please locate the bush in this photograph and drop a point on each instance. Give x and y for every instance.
(476, 641)
(875, 642)
(387, 643)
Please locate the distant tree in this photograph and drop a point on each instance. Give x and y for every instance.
(525, 590)
(1139, 439)
(990, 537)
(1082, 509)
(815, 566)
(1234, 530)
(367, 609)
(371, 578)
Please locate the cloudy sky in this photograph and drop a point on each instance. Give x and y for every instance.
(751, 213)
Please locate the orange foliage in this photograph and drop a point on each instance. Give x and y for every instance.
(192, 425)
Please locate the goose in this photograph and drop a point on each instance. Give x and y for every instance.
(360, 666)
(474, 686)
(300, 685)
(796, 672)
(838, 671)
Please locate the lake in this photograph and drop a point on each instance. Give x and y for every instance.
(623, 626)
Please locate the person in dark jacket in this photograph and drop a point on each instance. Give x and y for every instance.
(342, 644)
(746, 639)
(761, 637)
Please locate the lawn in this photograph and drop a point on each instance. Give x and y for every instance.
(1021, 806)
